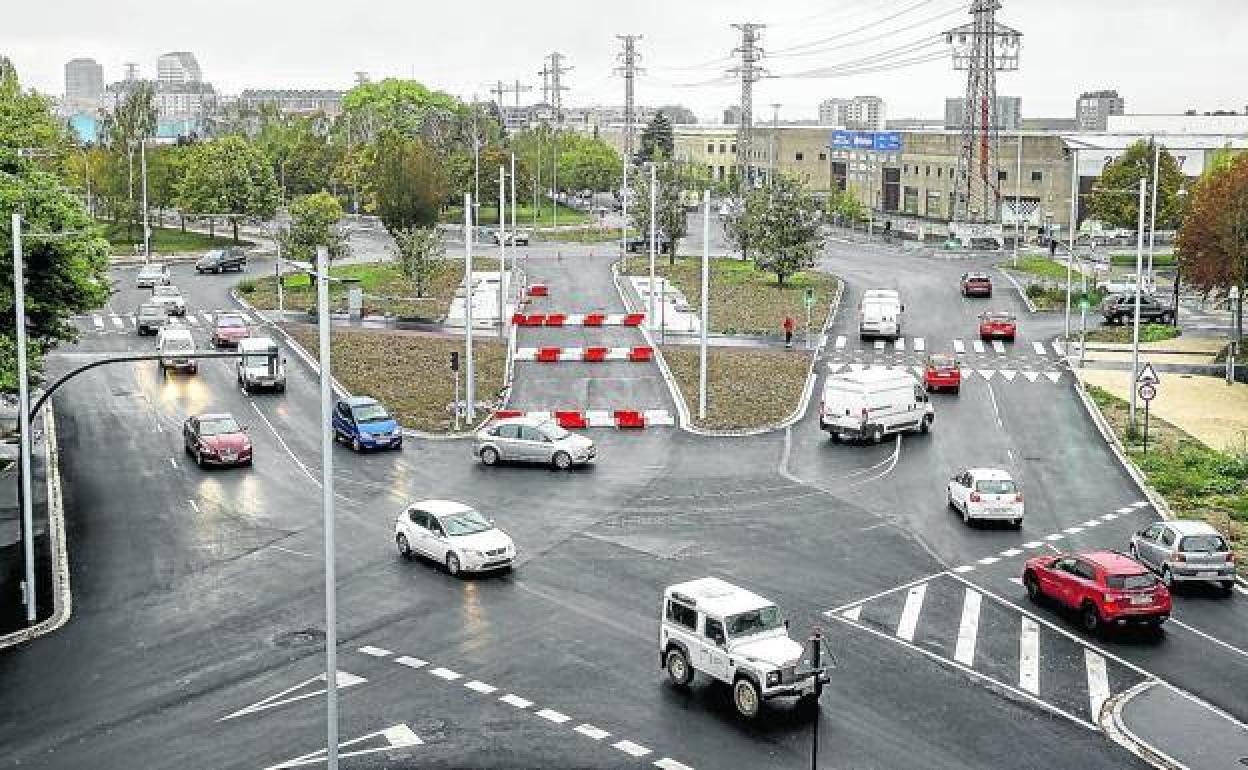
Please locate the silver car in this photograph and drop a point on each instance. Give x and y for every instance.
(152, 275)
(1185, 551)
(527, 439)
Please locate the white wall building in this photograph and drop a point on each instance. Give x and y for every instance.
(178, 67)
(862, 113)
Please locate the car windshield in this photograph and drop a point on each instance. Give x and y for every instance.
(370, 413)
(1203, 543)
(995, 486)
(217, 426)
(230, 320)
(998, 317)
(166, 291)
(150, 309)
(943, 362)
(466, 523)
(754, 621)
(1130, 582)
(554, 432)
(977, 277)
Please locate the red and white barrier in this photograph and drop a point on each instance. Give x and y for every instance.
(597, 418)
(550, 355)
(578, 319)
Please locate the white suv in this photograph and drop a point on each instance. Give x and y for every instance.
(735, 636)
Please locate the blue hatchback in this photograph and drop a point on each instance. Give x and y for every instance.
(365, 424)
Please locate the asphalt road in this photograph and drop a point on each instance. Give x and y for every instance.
(198, 605)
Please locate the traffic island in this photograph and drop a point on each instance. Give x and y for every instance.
(387, 291)
(747, 389)
(408, 371)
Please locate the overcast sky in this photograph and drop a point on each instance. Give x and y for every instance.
(1161, 56)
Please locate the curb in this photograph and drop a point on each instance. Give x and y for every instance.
(1115, 728)
(337, 387)
(1031, 306)
(166, 259)
(62, 598)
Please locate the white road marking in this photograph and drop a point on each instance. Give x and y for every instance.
(376, 652)
(173, 462)
(446, 673)
(553, 716)
(589, 731)
(480, 687)
(1029, 657)
(192, 320)
(834, 368)
(1017, 581)
(1140, 504)
(853, 613)
(1039, 348)
(1207, 637)
(515, 700)
(671, 764)
(1012, 552)
(1009, 374)
(910, 612)
(97, 321)
(840, 342)
(194, 505)
(998, 347)
(989, 560)
(1073, 530)
(1098, 682)
(1031, 376)
(410, 662)
(1054, 536)
(1090, 523)
(919, 344)
(1125, 510)
(1053, 376)
(968, 630)
(964, 568)
(631, 749)
(207, 319)
(959, 346)
(343, 680)
(986, 373)
(1059, 347)
(992, 396)
(1109, 516)
(1242, 590)
(290, 551)
(978, 345)
(1033, 544)
(117, 322)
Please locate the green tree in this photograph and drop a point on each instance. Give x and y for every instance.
(742, 222)
(228, 177)
(313, 223)
(421, 252)
(1114, 200)
(843, 204)
(670, 218)
(586, 163)
(786, 234)
(165, 168)
(409, 182)
(405, 107)
(657, 140)
(1213, 240)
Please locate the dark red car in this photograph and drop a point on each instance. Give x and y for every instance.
(1106, 588)
(998, 324)
(976, 285)
(228, 329)
(216, 439)
(942, 372)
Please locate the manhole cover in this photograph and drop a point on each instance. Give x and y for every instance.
(300, 638)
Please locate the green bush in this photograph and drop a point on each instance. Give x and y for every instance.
(247, 285)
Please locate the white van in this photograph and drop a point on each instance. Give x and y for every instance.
(174, 340)
(260, 365)
(874, 403)
(879, 314)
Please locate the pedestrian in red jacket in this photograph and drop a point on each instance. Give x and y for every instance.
(788, 331)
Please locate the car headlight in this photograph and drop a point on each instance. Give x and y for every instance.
(773, 678)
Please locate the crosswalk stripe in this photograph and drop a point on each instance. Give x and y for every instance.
(1053, 376)
(207, 319)
(1033, 544)
(853, 613)
(1059, 347)
(899, 344)
(192, 320)
(1029, 657)
(919, 344)
(1098, 682)
(959, 346)
(964, 569)
(998, 346)
(117, 322)
(1039, 348)
(99, 322)
(964, 652)
(1031, 376)
(910, 613)
(1011, 552)
(978, 345)
(840, 342)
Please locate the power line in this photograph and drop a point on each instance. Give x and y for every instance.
(883, 57)
(842, 35)
(868, 69)
(880, 36)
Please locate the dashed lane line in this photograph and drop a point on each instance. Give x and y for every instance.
(631, 749)
(511, 699)
(410, 662)
(446, 673)
(554, 716)
(376, 652)
(481, 687)
(591, 732)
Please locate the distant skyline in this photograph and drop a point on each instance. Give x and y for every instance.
(1068, 47)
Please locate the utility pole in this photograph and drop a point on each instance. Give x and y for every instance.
(654, 233)
(1152, 219)
(23, 417)
(1135, 330)
(469, 381)
(517, 88)
(629, 69)
(327, 511)
(502, 250)
(556, 71)
(771, 144)
(498, 90)
(1018, 194)
(476, 165)
(706, 288)
(750, 73)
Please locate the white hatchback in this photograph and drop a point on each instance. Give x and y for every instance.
(453, 534)
(986, 494)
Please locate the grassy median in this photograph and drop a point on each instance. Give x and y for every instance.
(1197, 482)
(165, 240)
(386, 291)
(408, 371)
(1123, 333)
(745, 388)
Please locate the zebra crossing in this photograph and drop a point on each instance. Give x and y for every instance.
(1055, 376)
(115, 323)
(978, 346)
(995, 640)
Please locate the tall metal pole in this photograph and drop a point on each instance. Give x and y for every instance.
(1135, 330)
(554, 183)
(327, 509)
(706, 290)
(470, 384)
(23, 411)
(1152, 217)
(1074, 217)
(654, 234)
(514, 230)
(502, 249)
(277, 271)
(147, 230)
(1018, 194)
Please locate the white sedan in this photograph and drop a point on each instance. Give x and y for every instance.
(453, 534)
(986, 494)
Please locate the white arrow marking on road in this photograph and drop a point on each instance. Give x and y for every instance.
(959, 346)
(1098, 682)
(345, 680)
(910, 612)
(1009, 374)
(1031, 376)
(1029, 657)
(399, 736)
(998, 346)
(1059, 347)
(1053, 376)
(964, 653)
(978, 345)
(986, 374)
(919, 344)
(853, 613)
(840, 342)
(1039, 348)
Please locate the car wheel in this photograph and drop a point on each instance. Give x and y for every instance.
(966, 514)
(1091, 618)
(405, 548)
(746, 698)
(949, 500)
(834, 437)
(1017, 523)
(489, 456)
(562, 460)
(1135, 553)
(678, 669)
(1228, 587)
(452, 565)
(355, 443)
(1167, 577)
(1033, 587)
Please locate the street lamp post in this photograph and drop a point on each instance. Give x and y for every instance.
(1135, 330)
(327, 510)
(706, 288)
(23, 408)
(654, 235)
(147, 230)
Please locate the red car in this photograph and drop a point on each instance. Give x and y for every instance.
(216, 439)
(997, 324)
(228, 329)
(942, 371)
(976, 285)
(1107, 588)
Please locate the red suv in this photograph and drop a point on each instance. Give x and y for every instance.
(1107, 588)
(976, 285)
(942, 371)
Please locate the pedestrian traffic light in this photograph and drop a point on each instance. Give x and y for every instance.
(454, 360)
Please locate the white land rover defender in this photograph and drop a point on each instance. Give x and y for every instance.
(734, 636)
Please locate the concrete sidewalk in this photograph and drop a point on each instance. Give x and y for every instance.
(1176, 731)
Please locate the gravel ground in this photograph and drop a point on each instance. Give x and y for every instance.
(745, 388)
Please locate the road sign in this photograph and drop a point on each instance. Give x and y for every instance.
(1147, 375)
(809, 298)
(1147, 391)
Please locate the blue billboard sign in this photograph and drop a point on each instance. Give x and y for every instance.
(870, 141)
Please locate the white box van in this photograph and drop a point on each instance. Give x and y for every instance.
(879, 314)
(260, 365)
(172, 341)
(874, 403)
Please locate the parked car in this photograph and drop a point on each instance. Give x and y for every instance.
(976, 284)
(998, 324)
(527, 439)
(986, 494)
(150, 318)
(228, 329)
(454, 535)
(174, 343)
(150, 275)
(880, 314)
(1106, 588)
(260, 365)
(734, 636)
(216, 439)
(943, 372)
(171, 297)
(1185, 552)
(220, 260)
(641, 244)
(514, 238)
(1118, 308)
(873, 403)
(365, 424)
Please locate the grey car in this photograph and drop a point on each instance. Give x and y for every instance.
(150, 318)
(533, 440)
(1184, 552)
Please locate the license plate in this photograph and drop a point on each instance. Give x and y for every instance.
(1206, 574)
(229, 456)
(1147, 599)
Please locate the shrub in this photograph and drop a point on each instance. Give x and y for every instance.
(247, 285)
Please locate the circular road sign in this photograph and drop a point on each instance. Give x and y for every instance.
(1148, 392)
